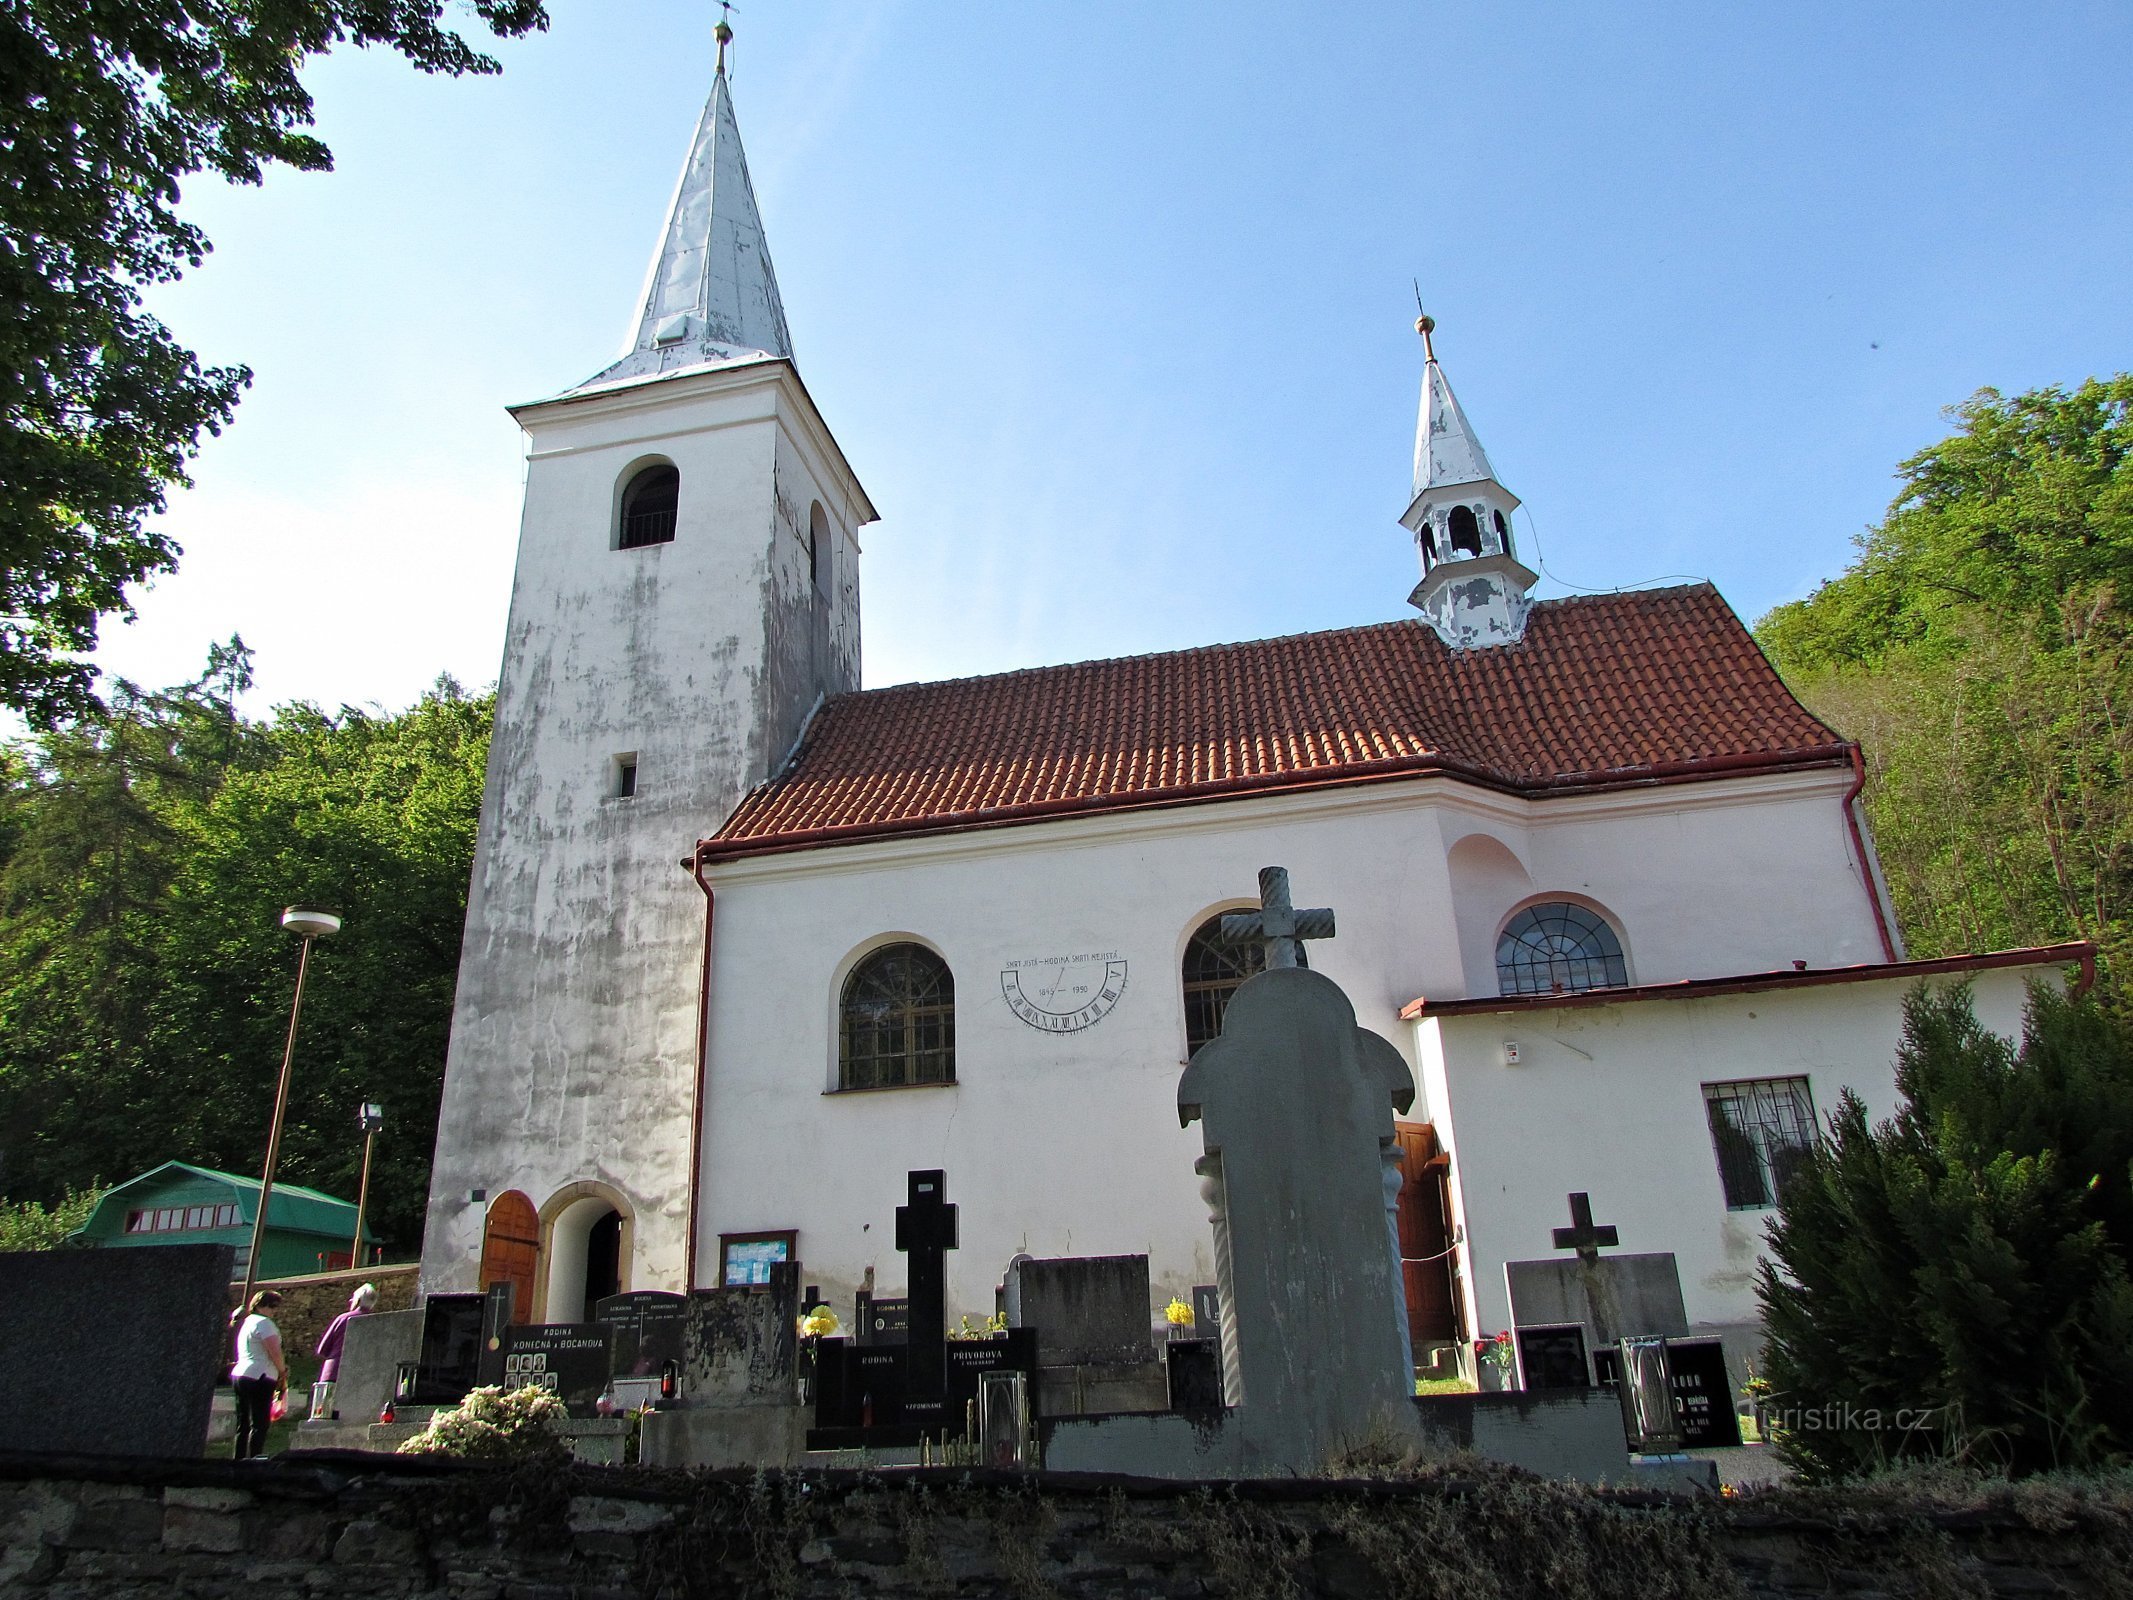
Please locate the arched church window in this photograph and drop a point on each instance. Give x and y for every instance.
(897, 1022)
(1466, 532)
(1558, 948)
(648, 506)
(1213, 971)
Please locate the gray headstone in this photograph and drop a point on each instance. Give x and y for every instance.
(113, 1351)
(1086, 1309)
(740, 1347)
(371, 1355)
(1645, 1289)
(1296, 1109)
(650, 1327)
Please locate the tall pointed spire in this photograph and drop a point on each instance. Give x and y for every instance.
(1473, 589)
(711, 295)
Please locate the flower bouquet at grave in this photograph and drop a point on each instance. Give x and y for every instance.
(1495, 1350)
(992, 1327)
(819, 1323)
(493, 1424)
(1179, 1315)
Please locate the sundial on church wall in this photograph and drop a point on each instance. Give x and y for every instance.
(1064, 994)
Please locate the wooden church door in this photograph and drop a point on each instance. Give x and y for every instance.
(511, 1249)
(1429, 1263)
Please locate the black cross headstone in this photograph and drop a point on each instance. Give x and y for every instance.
(1277, 924)
(925, 1232)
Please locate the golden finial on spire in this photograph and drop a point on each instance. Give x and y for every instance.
(723, 33)
(1425, 325)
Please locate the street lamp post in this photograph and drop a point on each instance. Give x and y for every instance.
(370, 1118)
(309, 924)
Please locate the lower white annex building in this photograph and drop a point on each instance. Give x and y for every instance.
(746, 944)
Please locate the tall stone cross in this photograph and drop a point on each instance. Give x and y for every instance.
(1277, 924)
(1587, 1237)
(925, 1232)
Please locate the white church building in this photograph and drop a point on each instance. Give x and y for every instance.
(747, 943)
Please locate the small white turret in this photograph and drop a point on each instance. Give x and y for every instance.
(1474, 591)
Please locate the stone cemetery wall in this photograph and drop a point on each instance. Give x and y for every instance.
(112, 1351)
(116, 1530)
(310, 1302)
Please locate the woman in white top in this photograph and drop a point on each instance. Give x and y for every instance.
(259, 1375)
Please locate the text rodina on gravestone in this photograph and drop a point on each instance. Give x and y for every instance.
(1296, 1108)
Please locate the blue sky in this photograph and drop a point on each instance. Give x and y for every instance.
(1111, 307)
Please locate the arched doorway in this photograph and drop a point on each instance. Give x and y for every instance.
(585, 1254)
(511, 1250)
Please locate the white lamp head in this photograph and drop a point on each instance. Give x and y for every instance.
(311, 922)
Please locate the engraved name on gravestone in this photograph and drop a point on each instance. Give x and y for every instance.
(1296, 1107)
(650, 1327)
(573, 1361)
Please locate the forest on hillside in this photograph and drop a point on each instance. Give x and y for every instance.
(1980, 646)
(146, 852)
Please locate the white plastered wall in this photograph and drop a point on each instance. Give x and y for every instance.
(1609, 1100)
(1070, 1144)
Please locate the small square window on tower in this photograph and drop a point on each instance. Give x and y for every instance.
(624, 785)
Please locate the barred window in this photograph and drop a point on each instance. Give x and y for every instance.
(1761, 1129)
(1558, 948)
(1212, 972)
(649, 505)
(897, 1022)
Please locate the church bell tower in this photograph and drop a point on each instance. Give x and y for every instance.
(1474, 590)
(686, 594)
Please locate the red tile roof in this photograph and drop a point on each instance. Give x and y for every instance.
(1603, 691)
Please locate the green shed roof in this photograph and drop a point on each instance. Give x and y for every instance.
(292, 1207)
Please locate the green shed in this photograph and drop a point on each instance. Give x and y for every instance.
(177, 1203)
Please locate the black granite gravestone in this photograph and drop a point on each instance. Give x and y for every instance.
(1703, 1394)
(495, 1320)
(450, 1362)
(650, 1327)
(113, 1351)
(1195, 1373)
(880, 1321)
(1554, 1358)
(925, 1233)
(572, 1360)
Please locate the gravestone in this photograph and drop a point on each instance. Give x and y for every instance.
(740, 1346)
(1086, 1309)
(496, 1307)
(926, 1232)
(113, 1351)
(1644, 1290)
(1193, 1372)
(650, 1330)
(574, 1361)
(879, 1320)
(1296, 1109)
(450, 1360)
(1703, 1391)
(1206, 1310)
(372, 1352)
(1553, 1358)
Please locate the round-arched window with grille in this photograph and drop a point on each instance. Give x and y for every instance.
(1558, 948)
(896, 1025)
(1212, 972)
(648, 508)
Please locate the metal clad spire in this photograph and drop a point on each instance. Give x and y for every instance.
(1446, 449)
(711, 295)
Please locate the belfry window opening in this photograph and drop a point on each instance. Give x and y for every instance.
(1465, 531)
(648, 508)
(1503, 533)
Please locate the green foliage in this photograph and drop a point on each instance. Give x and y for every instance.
(145, 981)
(1953, 1284)
(28, 1225)
(109, 108)
(491, 1424)
(1981, 650)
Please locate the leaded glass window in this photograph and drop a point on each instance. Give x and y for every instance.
(897, 1024)
(1212, 972)
(1558, 948)
(1761, 1130)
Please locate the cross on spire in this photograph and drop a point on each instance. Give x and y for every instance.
(1584, 1235)
(723, 33)
(1280, 927)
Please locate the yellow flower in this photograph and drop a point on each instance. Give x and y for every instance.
(818, 1322)
(1178, 1314)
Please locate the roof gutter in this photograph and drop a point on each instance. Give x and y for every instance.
(721, 849)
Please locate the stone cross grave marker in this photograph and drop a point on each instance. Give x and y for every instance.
(925, 1232)
(1587, 1238)
(1296, 1108)
(1277, 924)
